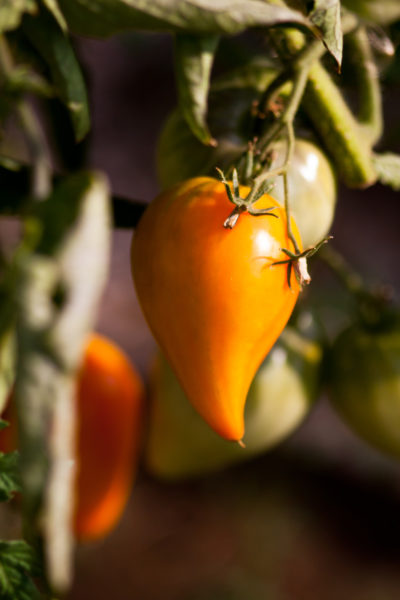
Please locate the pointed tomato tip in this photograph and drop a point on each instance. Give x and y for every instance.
(231, 432)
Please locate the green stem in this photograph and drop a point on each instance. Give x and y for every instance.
(373, 305)
(284, 121)
(366, 71)
(289, 153)
(41, 167)
(349, 278)
(340, 131)
(298, 72)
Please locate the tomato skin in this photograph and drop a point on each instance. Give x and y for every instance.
(212, 297)
(365, 384)
(109, 407)
(179, 444)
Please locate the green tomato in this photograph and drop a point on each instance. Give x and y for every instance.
(365, 384)
(312, 189)
(179, 442)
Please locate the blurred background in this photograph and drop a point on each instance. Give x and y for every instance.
(317, 517)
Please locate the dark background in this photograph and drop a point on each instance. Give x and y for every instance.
(315, 519)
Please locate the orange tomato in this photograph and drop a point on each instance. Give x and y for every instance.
(212, 296)
(109, 403)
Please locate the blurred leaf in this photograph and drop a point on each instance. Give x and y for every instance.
(23, 80)
(326, 15)
(194, 57)
(7, 367)
(55, 48)
(9, 475)
(388, 169)
(380, 12)
(105, 17)
(256, 74)
(53, 7)
(11, 165)
(61, 276)
(17, 566)
(12, 11)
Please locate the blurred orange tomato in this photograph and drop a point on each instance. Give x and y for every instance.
(109, 412)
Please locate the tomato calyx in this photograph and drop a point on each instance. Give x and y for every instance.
(244, 204)
(298, 262)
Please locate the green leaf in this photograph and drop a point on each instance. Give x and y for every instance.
(105, 17)
(12, 11)
(9, 475)
(53, 7)
(388, 169)
(194, 57)
(61, 277)
(56, 50)
(17, 565)
(326, 16)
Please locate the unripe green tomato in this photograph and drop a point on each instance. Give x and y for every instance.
(180, 444)
(312, 189)
(365, 384)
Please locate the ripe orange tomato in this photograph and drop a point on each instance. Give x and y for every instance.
(109, 404)
(212, 296)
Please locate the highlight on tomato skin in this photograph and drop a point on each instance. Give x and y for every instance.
(109, 424)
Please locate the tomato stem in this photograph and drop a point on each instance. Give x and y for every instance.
(372, 304)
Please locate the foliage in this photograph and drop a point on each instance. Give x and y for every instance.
(17, 567)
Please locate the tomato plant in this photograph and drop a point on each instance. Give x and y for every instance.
(283, 111)
(214, 298)
(109, 405)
